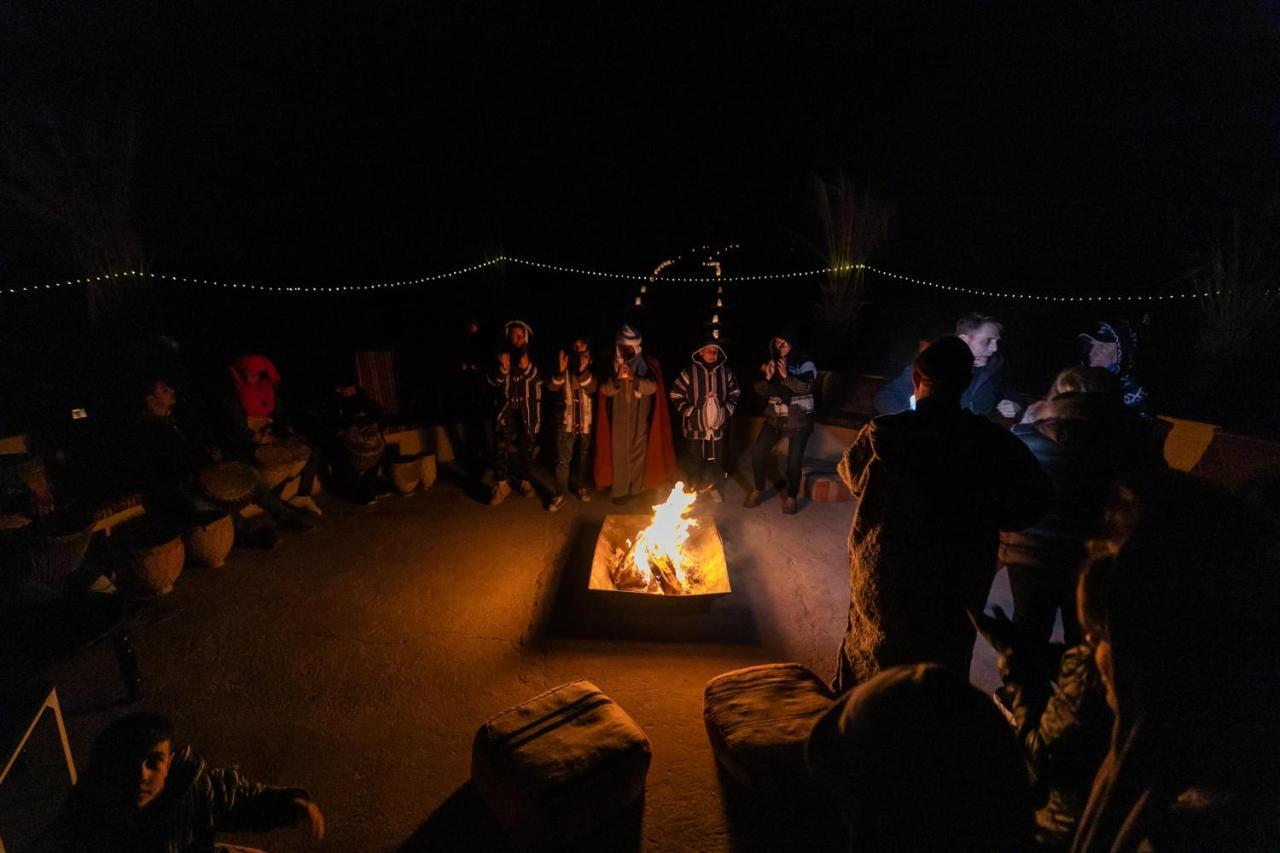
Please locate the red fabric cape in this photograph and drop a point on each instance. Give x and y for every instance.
(660, 454)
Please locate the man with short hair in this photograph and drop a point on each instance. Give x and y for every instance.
(572, 386)
(985, 392)
(935, 487)
(139, 794)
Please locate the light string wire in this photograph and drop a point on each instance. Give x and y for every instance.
(719, 280)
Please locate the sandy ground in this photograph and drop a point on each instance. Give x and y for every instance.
(358, 659)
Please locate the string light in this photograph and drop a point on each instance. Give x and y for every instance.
(718, 280)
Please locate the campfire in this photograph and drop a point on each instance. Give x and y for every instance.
(670, 553)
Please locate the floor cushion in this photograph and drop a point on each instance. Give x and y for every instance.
(559, 766)
(759, 719)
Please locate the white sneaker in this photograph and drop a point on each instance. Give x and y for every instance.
(556, 503)
(525, 488)
(499, 493)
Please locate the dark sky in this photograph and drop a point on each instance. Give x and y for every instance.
(1059, 146)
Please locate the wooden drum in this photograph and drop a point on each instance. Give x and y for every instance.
(228, 484)
(209, 543)
(276, 463)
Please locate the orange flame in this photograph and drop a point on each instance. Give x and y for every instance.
(667, 534)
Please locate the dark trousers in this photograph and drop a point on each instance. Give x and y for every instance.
(1039, 592)
(513, 449)
(796, 441)
(706, 462)
(573, 451)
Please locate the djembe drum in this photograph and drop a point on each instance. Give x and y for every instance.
(276, 463)
(228, 484)
(364, 446)
(210, 541)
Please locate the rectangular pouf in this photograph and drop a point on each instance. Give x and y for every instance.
(825, 486)
(758, 720)
(559, 766)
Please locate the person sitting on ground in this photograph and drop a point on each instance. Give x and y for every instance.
(572, 386)
(165, 463)
(351, 417)
(1114, 348)
(786, 380)
(985, 392)
(1179, 601)
(634, 453)
(705, 395)
(256, 416)
(1059, 708)
(1083, 438)
(935, 487)
(139, 793)
(918, 759)
(518, 387)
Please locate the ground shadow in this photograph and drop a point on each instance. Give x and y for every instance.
(573, 611)
(463, 823)
(799, 820)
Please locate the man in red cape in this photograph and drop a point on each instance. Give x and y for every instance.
(634, 451)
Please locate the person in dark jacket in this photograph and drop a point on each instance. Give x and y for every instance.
(1179, 601)
(351, 419)
(935, 487)
(705, 395)
(1059, 708)
(139, 794)
(572, 388)
(918, 759)
(1114, 348)
(518, 387)
(1083, 438)
(786, 380)
(985, 394)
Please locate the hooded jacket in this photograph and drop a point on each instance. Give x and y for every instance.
(935, 487)
(696, 386)
(790, 403)
(519, 391)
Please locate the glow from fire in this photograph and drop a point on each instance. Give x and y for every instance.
(666, 535)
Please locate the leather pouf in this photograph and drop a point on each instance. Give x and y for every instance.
(825, 487)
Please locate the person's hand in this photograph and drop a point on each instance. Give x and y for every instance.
(523, 363)
(624, 372)
(584, 359)
(563, 361)
(314, 817)
(504, 361)
(1007, 408)
(41, 499)
(780, 367)
(998, 628)
(767, 369)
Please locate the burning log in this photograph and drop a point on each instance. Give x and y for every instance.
(625, 573)
(664, 569)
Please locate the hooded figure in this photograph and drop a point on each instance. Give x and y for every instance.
(705, 395)
(786, 380)
(1114, 347)
(935, 487)
(633, 436)
(518, 390)
(919, 759)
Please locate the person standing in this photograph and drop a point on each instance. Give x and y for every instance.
(787, 380)
(572, 386)
(935, 487)
(518, 389)
(705, 395)
(633, 436)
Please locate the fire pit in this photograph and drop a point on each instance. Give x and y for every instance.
(667, 554)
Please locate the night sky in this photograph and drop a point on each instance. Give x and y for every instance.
(1081, 147)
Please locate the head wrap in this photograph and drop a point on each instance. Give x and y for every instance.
(630, 336)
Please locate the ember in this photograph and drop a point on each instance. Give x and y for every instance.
(669, 554)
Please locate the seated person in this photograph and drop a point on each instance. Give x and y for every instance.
(917, 758)
(165, 464)
(256, 415)
(140, 794)
(985, 394)
(350, 413)
(1114, 348)
(25, 492)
